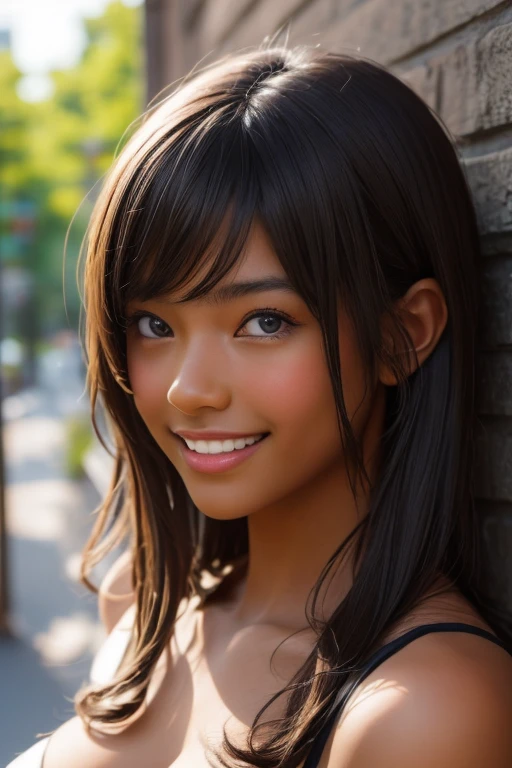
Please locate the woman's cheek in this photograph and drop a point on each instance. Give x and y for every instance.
(292, 388)
(148, 382)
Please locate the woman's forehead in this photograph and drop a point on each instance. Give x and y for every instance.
(258, 257)
(256, 269)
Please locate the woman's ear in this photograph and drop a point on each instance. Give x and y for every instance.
(424, 314)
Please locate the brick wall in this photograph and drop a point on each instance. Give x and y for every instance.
(457, 55)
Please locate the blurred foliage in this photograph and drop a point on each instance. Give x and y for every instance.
(52, 153)
(79, 438)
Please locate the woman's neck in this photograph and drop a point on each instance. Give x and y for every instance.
(286, 556)
(289, 546)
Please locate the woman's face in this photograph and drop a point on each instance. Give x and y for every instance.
(251, 364)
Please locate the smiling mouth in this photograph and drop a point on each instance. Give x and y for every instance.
(219, 461)
(217, 445)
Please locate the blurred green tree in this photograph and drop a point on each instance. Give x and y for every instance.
(53, 153)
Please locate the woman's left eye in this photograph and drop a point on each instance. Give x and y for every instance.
(268, 324)
(150, 326)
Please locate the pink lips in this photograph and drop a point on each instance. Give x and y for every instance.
(217, 462)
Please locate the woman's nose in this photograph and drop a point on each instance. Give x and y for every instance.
(202, 381)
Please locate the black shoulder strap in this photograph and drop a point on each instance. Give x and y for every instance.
(380, 656)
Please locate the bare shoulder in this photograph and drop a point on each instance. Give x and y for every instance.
(72, 747)
(444, 700)
(68, 740)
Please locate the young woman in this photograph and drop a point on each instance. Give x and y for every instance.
(281, 290)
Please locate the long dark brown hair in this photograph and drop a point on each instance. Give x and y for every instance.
(359, 187)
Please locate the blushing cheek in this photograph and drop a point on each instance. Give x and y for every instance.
(295, 395)
(149, 386)
(295, 392)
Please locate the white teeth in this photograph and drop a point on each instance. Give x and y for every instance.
(220, 446)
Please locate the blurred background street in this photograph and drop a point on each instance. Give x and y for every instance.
(71, 83)
(53, 619)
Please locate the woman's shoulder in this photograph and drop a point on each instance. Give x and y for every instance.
(444, 699)
(31, 758)
(73, 745)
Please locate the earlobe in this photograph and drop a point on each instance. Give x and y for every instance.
(389, 378)
(423, 313)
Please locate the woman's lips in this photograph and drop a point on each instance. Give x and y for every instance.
(217, 462)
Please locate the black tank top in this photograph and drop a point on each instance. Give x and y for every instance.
(381, 655)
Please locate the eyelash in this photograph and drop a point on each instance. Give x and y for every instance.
(266, 311)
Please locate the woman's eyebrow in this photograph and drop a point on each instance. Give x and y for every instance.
(224, 293)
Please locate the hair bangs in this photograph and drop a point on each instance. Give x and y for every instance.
(188, 212)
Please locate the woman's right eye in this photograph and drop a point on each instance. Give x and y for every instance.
(151, 327)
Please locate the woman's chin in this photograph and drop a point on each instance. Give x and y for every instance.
(215, 513)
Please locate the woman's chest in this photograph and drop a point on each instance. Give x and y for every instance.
(214, 679)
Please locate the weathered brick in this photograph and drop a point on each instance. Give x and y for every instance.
(458, 88)
(496, 244)
(387, 31)
(490, 178)
(267, 18)
(424, 81)
(470, 86)
(475, 83)
(496, 282)
(495, 77)
(494, 459)
(494, 383)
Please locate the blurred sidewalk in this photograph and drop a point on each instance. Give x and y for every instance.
(54, 621)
